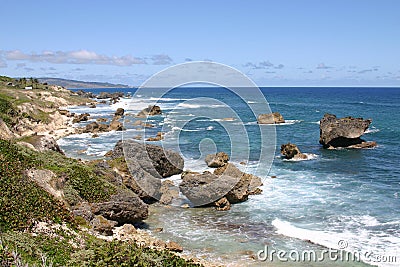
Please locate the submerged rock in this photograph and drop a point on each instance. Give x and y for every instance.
(291, 151)
(344, 132)
(271, 118)
(217, 160)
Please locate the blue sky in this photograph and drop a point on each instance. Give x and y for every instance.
(276, 43)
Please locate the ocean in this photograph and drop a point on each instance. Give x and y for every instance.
(338, 201)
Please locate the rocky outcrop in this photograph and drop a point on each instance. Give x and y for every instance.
(247, 184)
(5, 132)
(158, 137)
(344, 132)
(291, 151)
(95, 127)
(271, 118)
(226, 186)
(115, 126)
(123, 207)
(81, 117)
(44, 143)
(119, 112)
(47, 180)
(85, 94)
(168, 192)
(149, 111)
(147, 165)
(158, 162)
(102, 225)
(105, 95)
(217, 160)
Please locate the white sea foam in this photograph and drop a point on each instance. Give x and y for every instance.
(353, 232)
(372, 130)
(210, 128)
(310, 156)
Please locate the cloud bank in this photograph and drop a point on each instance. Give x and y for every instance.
(83, 57)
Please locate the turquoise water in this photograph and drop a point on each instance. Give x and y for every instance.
(338, 197)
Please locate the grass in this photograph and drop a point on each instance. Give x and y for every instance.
(59, 251)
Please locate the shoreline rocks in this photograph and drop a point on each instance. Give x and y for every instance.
(149, 111)
(217, 160)
(291, 151)
(271, 118)
(343, 132)
(227, 185)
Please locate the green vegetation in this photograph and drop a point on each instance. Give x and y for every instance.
(68, 249)
(21, 201)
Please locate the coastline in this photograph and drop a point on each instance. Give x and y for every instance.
(39, 136)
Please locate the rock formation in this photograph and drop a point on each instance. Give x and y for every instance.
(123, 207)
(344, 132)
(81, 117)
(217, 160)
(149, 111)
(271, 118)
(44, 143)
(227, 185)
(158, 137)
(147, 165)
(291, 151)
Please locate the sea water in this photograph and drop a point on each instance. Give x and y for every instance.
(339, 199)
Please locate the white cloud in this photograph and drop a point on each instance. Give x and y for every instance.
(75, 57)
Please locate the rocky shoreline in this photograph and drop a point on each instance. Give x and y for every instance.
(133, 175)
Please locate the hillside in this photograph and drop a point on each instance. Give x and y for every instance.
(58, 211)
(73, 84)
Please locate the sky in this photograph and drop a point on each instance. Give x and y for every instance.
(275, 43)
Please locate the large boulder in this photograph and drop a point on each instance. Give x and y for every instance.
(147, 165)
(226, 182)
(204, 188)
(344, 132)
(116, 126)
(149, 111)
(119, 112)
(158, 162)
(217, 160)
(291, 151)
(271, 118)
(123, 207)
(95, 127)
(247, 184)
